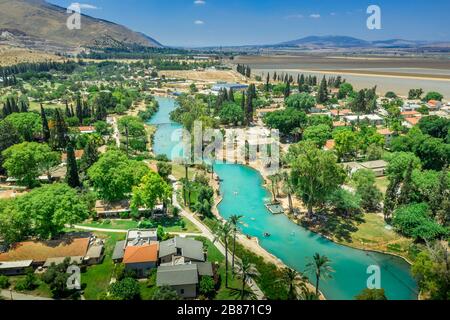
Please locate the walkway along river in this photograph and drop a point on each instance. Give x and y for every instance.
(243, 193)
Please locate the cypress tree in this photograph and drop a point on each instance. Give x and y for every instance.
(231, 95)
(390, 201)
(249, 107)
(268, 82)
(72, 177)
(287, 90)
(60, 137)
(79, 110)
(14, 106)
(322, 94)
(68, 111)
(90, 155)
(45, 128)
(407, 187)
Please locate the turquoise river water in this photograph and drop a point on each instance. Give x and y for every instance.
(243, 193)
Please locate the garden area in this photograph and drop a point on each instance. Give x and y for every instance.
(170, 224)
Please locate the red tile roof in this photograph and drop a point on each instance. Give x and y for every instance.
(139, 254)
(385, 132)
(39, 251)
(413, 121)
(78, 155)
(330, 145)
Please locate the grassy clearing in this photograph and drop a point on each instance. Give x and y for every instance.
(96, 279)
(382, 184)
(372, 234)
(42, 290)
(169, 224)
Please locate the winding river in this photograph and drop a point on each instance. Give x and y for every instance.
(243, 193)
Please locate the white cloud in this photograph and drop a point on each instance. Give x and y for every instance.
(199, 22)
(88, 6)
(333, 14)
(199, 2)
(314, 16)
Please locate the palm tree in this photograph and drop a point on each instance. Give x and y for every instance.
(296, 282)
(289, 189)
(223, 232)
(234, 221)
(246, 270)
(274, 181)
(321, 268)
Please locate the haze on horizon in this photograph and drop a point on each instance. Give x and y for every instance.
(195, 23)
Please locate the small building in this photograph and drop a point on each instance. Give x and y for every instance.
(373, 119)
(135, 237)
(387, 134)
(15, 268)
(86, 129)
(189, 249)
(411, 122)
(182, 278)
(434, 105)
(141, 259)
(227, 86)
(378, 167)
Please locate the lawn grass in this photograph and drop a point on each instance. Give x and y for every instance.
(42, 289)
(96, 279)
(169, 224)
(382, 184)
(234, 283)
(372, 234)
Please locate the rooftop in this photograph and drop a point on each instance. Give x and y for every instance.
(15, 264)
(146, 253)
(191, 249)
(177, 275)
(40, 251)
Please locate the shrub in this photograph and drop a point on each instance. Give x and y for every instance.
(207, 287)
(414, 221)
(4, 282)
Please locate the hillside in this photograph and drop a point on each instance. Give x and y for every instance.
(36, 24)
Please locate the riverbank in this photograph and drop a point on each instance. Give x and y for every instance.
(371, 236)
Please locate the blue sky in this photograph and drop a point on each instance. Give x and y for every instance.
(239, 22)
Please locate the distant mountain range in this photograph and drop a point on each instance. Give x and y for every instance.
(36, 24)
(323, 42)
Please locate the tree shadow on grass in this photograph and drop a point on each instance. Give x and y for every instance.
(332, 225)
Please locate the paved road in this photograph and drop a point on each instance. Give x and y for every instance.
(20, 296)
(208, 234)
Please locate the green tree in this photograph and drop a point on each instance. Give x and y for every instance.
(231, 113)
(90, 155)
(73, 180)
(42, 213)
(302, 102)
(347, 144)
(28, 125)
(433, 96)
(372, 295)
(295, 282)
(223, 232)
(26, 161)
(114, 175)
(9, 136)
(127, 289)
(432, 270)
(366, 188)
(322, 93)
(165, 293)
(60, 132)
(315, 174)
(150, 191)
(320, 266)
(246, 271)
(234, 222)
(207, 287)
(319, 134)
(286, 121)
(345, 90)
(45, 127)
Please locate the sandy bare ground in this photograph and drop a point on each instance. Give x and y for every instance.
(10, 56)
(206, 76)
